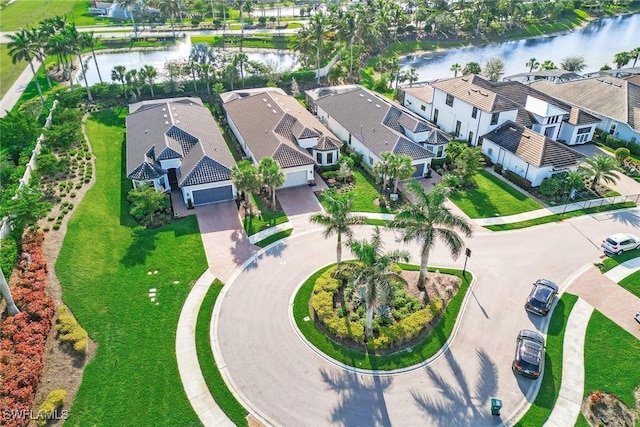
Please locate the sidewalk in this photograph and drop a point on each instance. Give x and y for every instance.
(623, 270)
(17, 88)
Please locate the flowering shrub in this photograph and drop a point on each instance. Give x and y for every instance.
(23, 336)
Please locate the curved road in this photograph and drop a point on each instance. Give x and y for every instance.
(281, 380)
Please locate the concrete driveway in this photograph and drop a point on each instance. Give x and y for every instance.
(225, 242)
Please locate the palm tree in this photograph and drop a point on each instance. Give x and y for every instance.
(272, 176)
(149, 74)
(456, 68)
(240, 59)
(600, 167)
(317, 29)
(548, 65)
(89, 40)
(347, 31)
(246, 178)
(382, 167)
(401, 168)
(372, 270)
(533, 64)
(337, 219)
(118, 74)
(134, 80)
(621, 59)
(22, 47)
(127, 5)
(635, 54)
(426, 220)
(171, 8)
(76, 44)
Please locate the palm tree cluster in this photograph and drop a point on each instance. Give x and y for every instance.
(623, 58)
(250, 179)
(394, 167)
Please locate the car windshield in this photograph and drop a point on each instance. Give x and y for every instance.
(542, 294)
(530, 354)
(611, 241)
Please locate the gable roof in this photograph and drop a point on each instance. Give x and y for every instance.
(424, 92)
(177, 128)
(611, 97)
(376, 122)
(476, 91)
(271, 122)
(536, 149)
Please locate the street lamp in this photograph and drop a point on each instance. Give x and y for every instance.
(467, 254)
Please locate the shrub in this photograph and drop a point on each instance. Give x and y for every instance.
(621, 155)
(70, 331)
(549, 187)
(330, 175)
(518, 180)
(498, 168)
(52, 403)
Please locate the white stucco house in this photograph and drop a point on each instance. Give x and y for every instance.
(371, 124)
(528, 154)
(616, 102)
(470, 106)
(175, 144)
(269, 123)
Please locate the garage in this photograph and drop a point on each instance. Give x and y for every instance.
(419, 171)
(212, 195)
(294, 179)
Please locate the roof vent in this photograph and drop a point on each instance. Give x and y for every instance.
(164, 109)
(165, 116)
(269, 105)
(599, 80)
(464, 79)
(607, 82)
(617, 85)
(362, 95)
(146, 131)
(378, 105)
(174, 108)
(166, 122)
(274, 111)
(369, 100)
(177, 122)
(264, 100)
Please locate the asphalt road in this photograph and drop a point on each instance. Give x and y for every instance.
(284, 382)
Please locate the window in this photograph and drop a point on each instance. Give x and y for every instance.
(423, 107)
(612, 129)
(582, 138)
(474, 112)
(470, 138)
(490, 151)
(440, 151)
(494, 118)
(552, 120)
(329, 158)
(583, 130)
(458, 125)
(449, 100)
(435, 116)
(319, 158)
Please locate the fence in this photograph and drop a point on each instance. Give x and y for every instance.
(5, 228)
(594, 203)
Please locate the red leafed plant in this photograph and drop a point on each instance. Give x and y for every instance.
(23, 336)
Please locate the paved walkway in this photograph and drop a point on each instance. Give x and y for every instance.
(193, 382)
(17, 88)
(567, 407)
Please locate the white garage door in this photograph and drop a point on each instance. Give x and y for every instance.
(296, 178)
(212, 195)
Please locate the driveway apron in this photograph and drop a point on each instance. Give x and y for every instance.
(299, 203)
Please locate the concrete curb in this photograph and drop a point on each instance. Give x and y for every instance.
(261, 235)
(623, 270)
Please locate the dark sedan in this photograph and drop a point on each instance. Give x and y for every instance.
(541, 297)
(529, 354)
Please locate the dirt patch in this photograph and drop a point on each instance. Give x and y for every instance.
(600, 408)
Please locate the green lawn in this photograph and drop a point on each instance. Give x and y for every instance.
(212, 377)
(615, 260)
(559, 217)
(9, 71)
(104, 270)
(274, 238)
(492, 197)
(420, 352)
(552, 377)
(25, 13)
(266, 219)
(632, 283)
(364, 194)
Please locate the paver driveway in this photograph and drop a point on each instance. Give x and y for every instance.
(299, 203)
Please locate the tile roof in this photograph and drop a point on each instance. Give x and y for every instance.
(177, 128)
(327, 143)
(536, 149)
(271, 122)
(611, 97)
(438, 137)
(374, 121)
(424, 93)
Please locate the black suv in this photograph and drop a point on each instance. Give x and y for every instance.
(541, 297)
(529, 354)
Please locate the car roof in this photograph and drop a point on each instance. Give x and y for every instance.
(526, 334)
(622, 236)
(547, 283)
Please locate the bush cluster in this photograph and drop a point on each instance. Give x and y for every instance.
(69, 330)
(24, 335)
(615, 143)
(521, 182)
(53, 402)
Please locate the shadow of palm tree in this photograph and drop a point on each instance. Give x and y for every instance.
(626, 218)
(460, 406)
(362, 400)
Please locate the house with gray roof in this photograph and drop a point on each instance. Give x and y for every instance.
(370, 125)
(470, 106)
(527, 153)
(615, 101)
(269, 123)
(175, 144)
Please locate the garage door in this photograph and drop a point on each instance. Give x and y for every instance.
(419, 171)
(296, 178)
(212, 195)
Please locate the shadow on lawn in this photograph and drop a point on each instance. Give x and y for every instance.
(143, 243)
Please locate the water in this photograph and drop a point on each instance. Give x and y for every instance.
(277, 60)
(597, 43)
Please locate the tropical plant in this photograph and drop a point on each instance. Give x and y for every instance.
(272, 176)
(246, 178)
(401, 167)
(600, 166)
(372, 270)
(456, 68)
(23, 47)
(493, 69)
(149, 73)
(428, 219)
(469, 163)
(621, 59)
(128, 5)
(533, 64)
(76, 44)
(635, 54)
(382, 167)
(170, 8)
(573, 63)
(118, 74)
(454, 149)
(146, 202)
(337, 218)
(89, 40)
(26, 209)
(548, 65)
(471, 68)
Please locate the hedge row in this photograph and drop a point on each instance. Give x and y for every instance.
(24, 335)
(70, 331)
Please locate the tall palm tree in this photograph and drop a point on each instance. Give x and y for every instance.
(600, 167)
(149, 74)
(635, 54)
(337, 219)
(23, 47)
(90, 40)
(382, 167)
(347, 31)
(456, 68)
(372, 270)
(401, 168)
(171, 8)
(317, 30)
(128, 6)
(621, 59)
(428, 219)
(246, 177)
(118, 74)
(533, 64)
(240, 59)
(76, 44)
(272, 176)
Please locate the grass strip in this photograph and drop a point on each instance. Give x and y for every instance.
(542, 406)
(632, 283)
(418, 353)
(559, 217)
(274, 238)
(215, 383)
(376, 222)
(615, 260)
(266, 219)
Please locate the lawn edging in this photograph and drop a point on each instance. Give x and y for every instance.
(418, 356)
(275, 237)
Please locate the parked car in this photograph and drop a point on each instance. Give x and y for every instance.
(618, 243)
(637, 317)
(541, 297)
(529, 354)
